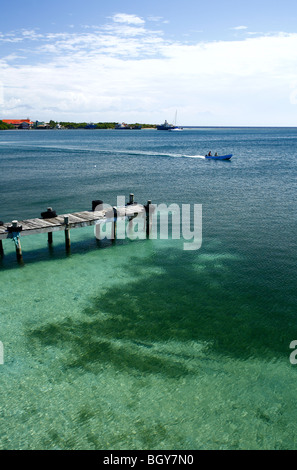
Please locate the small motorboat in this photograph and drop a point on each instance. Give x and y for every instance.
(219, 157)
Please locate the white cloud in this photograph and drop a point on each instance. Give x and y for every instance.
(158, 19)
(31, 34)
(1, 93)
(238, 28)
(10, 38)
(125, 72)
(155, 18)
(128, 19)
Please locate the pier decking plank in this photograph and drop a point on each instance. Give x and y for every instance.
(75, 220)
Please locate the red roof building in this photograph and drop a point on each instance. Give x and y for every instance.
(18, 122)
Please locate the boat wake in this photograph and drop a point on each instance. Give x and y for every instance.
(194, 156)
(157, 154)
(78, 149)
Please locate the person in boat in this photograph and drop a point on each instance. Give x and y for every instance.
(209, 154)
(216, 154)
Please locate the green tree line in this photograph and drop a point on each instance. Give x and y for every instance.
(4, 126)
(99, 125)
(79, 125)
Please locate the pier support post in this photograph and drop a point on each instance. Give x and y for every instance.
(16, 237)
(114, 224)
(148, 218)
(50, 238)
(19, 252)
(67, 233)
(1, 244)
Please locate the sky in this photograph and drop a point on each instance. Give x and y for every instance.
(215, 63)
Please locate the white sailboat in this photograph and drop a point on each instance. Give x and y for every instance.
(175, 128)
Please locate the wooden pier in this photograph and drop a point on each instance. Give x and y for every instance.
(15, 230)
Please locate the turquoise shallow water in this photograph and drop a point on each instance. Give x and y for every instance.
(142, 345)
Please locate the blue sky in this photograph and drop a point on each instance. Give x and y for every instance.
(217, 63)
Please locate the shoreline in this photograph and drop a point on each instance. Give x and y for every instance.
(155, 129)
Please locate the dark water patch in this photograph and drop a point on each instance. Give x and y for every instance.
(241, 321)
(86, 349)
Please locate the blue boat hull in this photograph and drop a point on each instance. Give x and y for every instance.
(219, 157)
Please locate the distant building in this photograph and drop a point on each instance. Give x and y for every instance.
(19, 123)
(122, 126)
(25, 125)
(41, 125)
(128, 126)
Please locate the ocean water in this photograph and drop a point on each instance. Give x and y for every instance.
(140, 344)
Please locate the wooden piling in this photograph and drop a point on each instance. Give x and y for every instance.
(1, 245)
(18, 246)
(67, 233)
(114, 224)
(148, 218)
(50, 238)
